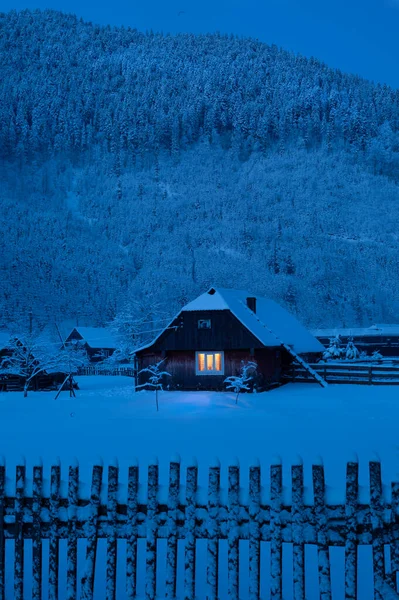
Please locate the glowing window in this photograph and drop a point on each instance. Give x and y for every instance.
(201, 362)
(209, 363)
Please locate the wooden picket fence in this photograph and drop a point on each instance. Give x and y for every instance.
(126, 371)
(181, 515)
(346, 372)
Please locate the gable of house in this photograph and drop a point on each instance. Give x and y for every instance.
(266, 324)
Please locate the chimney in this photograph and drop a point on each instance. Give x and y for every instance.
(251, 303)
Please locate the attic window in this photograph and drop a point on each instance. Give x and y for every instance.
(204, 324)
(209, 363)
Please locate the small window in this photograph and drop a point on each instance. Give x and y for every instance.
(209, 363)
(204, 324)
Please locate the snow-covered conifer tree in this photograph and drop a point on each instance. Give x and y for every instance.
(334, 351)
(351, 352)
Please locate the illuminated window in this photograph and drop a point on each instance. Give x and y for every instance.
(204, 324)
(209, 363)
(201, 362)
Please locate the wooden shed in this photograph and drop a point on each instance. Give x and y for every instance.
(98, 342)
(211, 336)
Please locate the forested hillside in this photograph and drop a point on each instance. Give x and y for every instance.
(138, 169)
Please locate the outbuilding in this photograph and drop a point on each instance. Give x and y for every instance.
(98, 342)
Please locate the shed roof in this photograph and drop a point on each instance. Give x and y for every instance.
(373, 330)
(272, 325)
(97, 337)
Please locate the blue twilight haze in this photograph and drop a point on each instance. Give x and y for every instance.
(353, 35)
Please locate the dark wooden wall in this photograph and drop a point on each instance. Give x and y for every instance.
(181, 365)
(226, 333)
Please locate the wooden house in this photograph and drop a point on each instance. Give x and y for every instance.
(97, 341)
(211, 336)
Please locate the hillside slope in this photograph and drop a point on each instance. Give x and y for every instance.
(141, 169)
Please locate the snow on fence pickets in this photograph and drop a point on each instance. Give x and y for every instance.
(190, 513)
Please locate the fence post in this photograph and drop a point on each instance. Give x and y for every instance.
(54, 547)
(254, 531)
(394, 546)
(36, 533)
(213, 531)
(91, 534)
(297, 531)
(321, 530)
(131, 543)
(352, 488)
(152, 507)
(72, 548)
(376, 510)
(19, 538)
(111, 531)
(2, 537)
(232, 533)
(191, 504)
(276, 545)
(173, 502)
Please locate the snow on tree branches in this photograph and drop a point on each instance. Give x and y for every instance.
(28, 357)
(155, 378)
(239, 383)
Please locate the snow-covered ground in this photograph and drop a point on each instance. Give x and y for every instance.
(107, 419)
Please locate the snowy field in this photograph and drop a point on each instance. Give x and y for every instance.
(107, 420)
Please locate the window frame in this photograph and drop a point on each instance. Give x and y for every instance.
(207, 353)
(204, 328)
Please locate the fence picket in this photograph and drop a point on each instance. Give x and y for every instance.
(152, 505)
(2, 536)
(132, 533)
(322, 532)
(36, 533)
(171, 555)
(190, 531)
(111, 532)
(19, 538)
(394, 533)
(91, 534)
(376, 510)
(54, 545)
(352, 490)
(72, 546)
(297, 532)
(254, 532)
(276, 545)
(213, 532)
(233, 536)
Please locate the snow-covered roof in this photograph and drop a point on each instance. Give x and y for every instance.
(97, 337)
(377, 330)
(272, 325)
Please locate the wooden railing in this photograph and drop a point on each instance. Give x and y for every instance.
(185, 512)
(341, 372)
